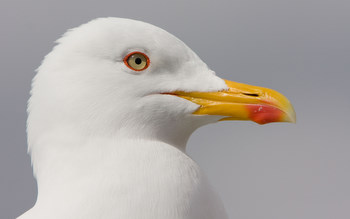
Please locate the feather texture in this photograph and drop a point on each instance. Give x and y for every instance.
(104, 142)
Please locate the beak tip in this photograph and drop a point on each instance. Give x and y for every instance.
(290, 116)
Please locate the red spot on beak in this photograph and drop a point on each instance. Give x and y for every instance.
(263, 114)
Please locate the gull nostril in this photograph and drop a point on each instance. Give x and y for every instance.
(250, 94)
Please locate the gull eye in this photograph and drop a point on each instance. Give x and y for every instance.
(137, 61)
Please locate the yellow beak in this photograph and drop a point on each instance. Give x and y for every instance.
(243, 102)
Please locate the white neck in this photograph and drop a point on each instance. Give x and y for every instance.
(116, 173)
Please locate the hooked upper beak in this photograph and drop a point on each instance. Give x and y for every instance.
(243, 102)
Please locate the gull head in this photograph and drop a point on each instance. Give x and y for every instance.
(124, 78)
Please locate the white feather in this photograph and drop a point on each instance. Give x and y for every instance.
(104, 142)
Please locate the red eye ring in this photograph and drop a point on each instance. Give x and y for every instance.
(137, 61)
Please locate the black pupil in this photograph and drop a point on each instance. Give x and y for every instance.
(138, 61)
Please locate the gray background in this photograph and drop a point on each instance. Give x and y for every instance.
(298, 47)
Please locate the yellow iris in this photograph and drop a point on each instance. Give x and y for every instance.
(137, 61)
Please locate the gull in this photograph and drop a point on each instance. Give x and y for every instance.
(111, 109)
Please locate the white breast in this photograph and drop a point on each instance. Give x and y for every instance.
(132, 180)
